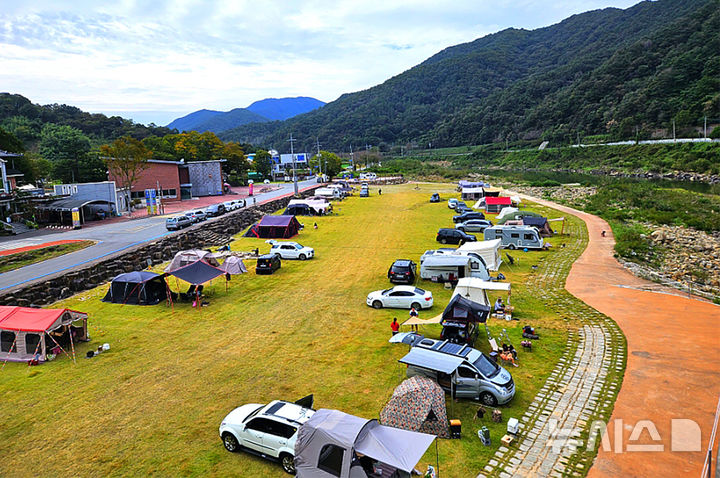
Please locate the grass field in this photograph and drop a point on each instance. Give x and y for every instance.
(11, 262)
(153, 403)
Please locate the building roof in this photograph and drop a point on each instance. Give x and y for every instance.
(7, 154)
(69, 204)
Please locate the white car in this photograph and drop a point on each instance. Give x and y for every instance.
(230, 205)
(239, 203)
(268, 430)
(291, 250)
(401, 297)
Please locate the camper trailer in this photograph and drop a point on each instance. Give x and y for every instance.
(329, 193)
(515, 237)
(442, 267)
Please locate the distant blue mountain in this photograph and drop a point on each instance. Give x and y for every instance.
(232, 119)
(284, 108)
(188, 122)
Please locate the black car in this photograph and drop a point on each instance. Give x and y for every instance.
(459, 332)
(435, 198)
(267, 264)
(403, 271)
(466, 216)
(460, 205)
(215, 210)
(454, 236)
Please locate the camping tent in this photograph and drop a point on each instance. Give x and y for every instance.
(299, 210)
(233, 265)
(496, 204)
(137, 288)
(506, 212)
(184, 258)
(25, 330)
(417, 404)
(274, 227)
(492, 192)
(488, 250)
(476, 289)
(540, 223)
(197, 273)
(461, 308)
(331, 442)
(515, 215)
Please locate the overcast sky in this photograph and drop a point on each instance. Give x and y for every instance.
(156, 60)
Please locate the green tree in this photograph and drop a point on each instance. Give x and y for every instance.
(10, 142)
(329, 163)
(235, 162)
(59, 143)
(263, 163)
(126, 158)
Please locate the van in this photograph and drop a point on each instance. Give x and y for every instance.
(461, 370)
(515, 237)
(267, 264)
(451, 267)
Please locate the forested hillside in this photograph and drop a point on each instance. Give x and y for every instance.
(623, 72)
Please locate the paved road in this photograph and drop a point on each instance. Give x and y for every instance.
(111, 239)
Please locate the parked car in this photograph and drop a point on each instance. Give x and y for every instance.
(400, 297)
(266, 430)
(461, 206)
(239, 203)
(454, 236)
(466, 216)
(462, 370)
(177, 222)
(474, 225)
(214, 210)
(403, 271)
(191, 215)
(291, 250)
(435, 198)
(200, 215)
(229, 205)
(452, 202)
(267, 264)
(364, 193)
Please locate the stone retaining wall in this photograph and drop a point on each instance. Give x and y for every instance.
(201, 236)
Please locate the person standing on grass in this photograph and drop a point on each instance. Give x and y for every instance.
(395, 326)
(379, 192)
(413, 315)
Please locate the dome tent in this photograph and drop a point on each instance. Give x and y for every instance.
(137, 288)
(417, 404)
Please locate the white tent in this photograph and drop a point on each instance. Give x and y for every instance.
(480, 204)
(506, 211)
(233, 265)
(476, 290)
(488, 250)
(184, 258)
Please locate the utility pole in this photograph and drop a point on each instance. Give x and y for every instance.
(674, 140)
(317, 143)
(352, 158)
(292, 153)
(705, 128)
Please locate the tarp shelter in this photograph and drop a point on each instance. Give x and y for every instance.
(274, 227)
(197, 273)
(492, 192)
(334, 444)
(184, 258)
(137, 288)
(466, 310)
(469, 193)
(488, 250)
(233, 265)
(495, 204)
(540, 223)
(417, 404)
(476, 289)
(25, 330)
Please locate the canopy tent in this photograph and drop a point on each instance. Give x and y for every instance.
(274, 227)
(492, 192)
(233, 265)
(184, 258)
(540, 223)
(466, 310)
(476, 289)
(197, 273)
(488, 250)
(419, 321)
(137, 288)
(333, 443)
(417, 404)
(496, 204)
(24, 331)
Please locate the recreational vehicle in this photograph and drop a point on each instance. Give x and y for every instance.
(329, 193)
(451, 267)
(515, 237)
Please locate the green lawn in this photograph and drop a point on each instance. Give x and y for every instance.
(11, 262)
(153, 403)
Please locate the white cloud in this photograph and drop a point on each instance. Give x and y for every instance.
(179, 56)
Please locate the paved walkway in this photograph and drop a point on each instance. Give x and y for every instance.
(672, 373)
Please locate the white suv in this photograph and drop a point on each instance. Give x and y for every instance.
(291, 250)
(268, 430)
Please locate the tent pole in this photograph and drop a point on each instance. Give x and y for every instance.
(72, 345)
(63, 350)
(437, 459)
(36, 348)
(11, 349)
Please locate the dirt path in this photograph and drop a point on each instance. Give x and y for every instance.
(673, 369)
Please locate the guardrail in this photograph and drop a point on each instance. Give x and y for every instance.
(707, 466)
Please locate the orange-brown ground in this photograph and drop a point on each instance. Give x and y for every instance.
(673, 362)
